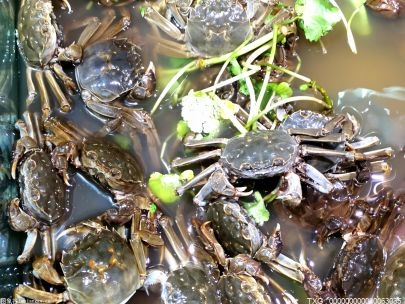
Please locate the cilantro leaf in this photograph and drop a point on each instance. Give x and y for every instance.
(257, 209)
(317, 17)
(164, 186)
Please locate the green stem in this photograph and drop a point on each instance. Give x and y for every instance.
(272, 106)
(254, 110)
(201, 63)
(311, 84)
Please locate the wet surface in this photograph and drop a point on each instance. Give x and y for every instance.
(369, 84)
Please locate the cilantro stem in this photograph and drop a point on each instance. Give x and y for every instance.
(243, 75)
(328, 103)
(201, 63)
(266, 79)
(271, 106)
(350, 37)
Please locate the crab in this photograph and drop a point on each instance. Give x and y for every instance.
(39, 42)
(387, 8)
(111, 72)
(355, 273)
(361, 266)
(97, 264)
(42, 190)
(210, 27)
(198, 278)
(114, 169)
(393, 279)
(267, 153)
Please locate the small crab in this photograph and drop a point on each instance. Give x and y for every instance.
(210, 27)
(267, 153)
(42, 190)
(98, 267)
(39, 41)
(111, 73)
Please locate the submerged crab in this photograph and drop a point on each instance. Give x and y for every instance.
(42, 190)
(111, 73)
(98, 267)
(268, 153)
(39, 41)
(355, 273)
(211, 27)
(115, 169)
(369, 234)
(393, 279)
(204, 279)
(387, 8)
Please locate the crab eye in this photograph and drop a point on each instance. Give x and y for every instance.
(91, 155)
(115, 173)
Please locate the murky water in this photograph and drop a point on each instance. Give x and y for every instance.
(377, 69)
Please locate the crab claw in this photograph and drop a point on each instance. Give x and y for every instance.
(218, 184)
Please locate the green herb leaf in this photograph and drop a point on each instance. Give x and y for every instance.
(282, 89)
(164, 186)
(257, 209)
(142, 10)
(182, 128)
(317, 17)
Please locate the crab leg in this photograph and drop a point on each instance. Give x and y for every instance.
(166, 224)
(375, 167)
(44, 97)
(136, 244)
(25, 291)
(165, 25)
(30, 86)
(33, 126)
(313, 177)
(180, 162)
(217, 183)
(348, 155)
(60, 97)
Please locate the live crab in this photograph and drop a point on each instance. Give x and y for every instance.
(39, 42)
(211, 27)
(94, 259)
(267, 153)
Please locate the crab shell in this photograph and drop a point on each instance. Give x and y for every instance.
(37, 32)
(234, 228)
(260, 154)
(42, 189)
(189, 284)
(112, 166)
(242, 288)
(100, 268)
(215, 27)
(110, 68)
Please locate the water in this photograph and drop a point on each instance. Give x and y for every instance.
(377, 69)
